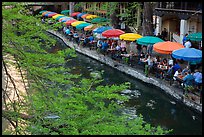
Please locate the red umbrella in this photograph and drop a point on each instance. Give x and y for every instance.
(112, 33)
(69, 22)
(50, 15)
(74, 14)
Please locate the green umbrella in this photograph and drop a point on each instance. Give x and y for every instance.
(148, 40)
(195, 36)
(42, 11)
(65, 12)
(60, 17)
(82, 25)
(98, 20)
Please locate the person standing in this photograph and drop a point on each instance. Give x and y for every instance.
(164, 34)
(187, 44)
(184, 38)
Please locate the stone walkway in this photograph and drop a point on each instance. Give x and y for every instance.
(172, 90)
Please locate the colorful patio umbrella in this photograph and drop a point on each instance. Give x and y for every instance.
(166, 47)
(45, 13)
(82, 25)
(52, 14)
(75, 14)
(77, 23)
(98, 20)
(188, 54)
(65, 12)
(91, 16)
(101, 29)
(70, 21)
(112, 33)
(90, 27)
(42, 11)
(195, 36)
(80, 14)
(57, 15)
(66, 17)
(84, 16)
(130, 36)
(148, 40)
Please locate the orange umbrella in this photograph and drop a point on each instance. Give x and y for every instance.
(90, 27)
(166, 47)
(84, 16)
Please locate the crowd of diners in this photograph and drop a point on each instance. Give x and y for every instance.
(134, 54)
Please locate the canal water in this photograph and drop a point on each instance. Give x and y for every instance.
(156, 107)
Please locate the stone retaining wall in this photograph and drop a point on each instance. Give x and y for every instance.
(128, 70)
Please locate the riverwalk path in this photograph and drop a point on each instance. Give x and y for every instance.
(173, 91)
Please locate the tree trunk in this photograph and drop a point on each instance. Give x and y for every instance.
(71, 8)
(147, 19)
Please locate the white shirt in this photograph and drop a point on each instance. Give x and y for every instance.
(187, 44)
(171, 62)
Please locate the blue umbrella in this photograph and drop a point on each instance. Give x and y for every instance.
(80, 14)
(66, 19)
(188, 54)
(101, 29)
(67, 31)
(49, 13)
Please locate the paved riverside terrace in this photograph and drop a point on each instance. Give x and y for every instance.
(134, 72)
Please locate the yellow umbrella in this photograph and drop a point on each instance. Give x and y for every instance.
(77, 23)
(54, 17)
(91, 16)
(130, 36)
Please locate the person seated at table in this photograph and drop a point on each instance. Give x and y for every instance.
(99, 43)
(176, 66)
(76, 36)
(104, 47)
(188, 80)
(170, 61)
(198, 79)
(141, 57)
(122, 51)
(86, 41)
(164, 62)
(123, 43)
(177, 73)
(185, 70)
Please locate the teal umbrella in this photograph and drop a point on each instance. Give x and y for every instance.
(42, 11)
(82, 25)
(148, 40)
(60, 17)
(65, 12)
(195, 36)
(98, 20)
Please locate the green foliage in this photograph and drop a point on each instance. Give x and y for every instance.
(76, 106)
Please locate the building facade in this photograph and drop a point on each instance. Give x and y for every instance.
(179, 18)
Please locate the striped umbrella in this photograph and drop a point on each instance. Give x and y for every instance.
(42, 11)
(70, 21)
(82, 25)
(84, 16)
(65, 12)
(75, 14)
(77, 23)
(55, 16)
